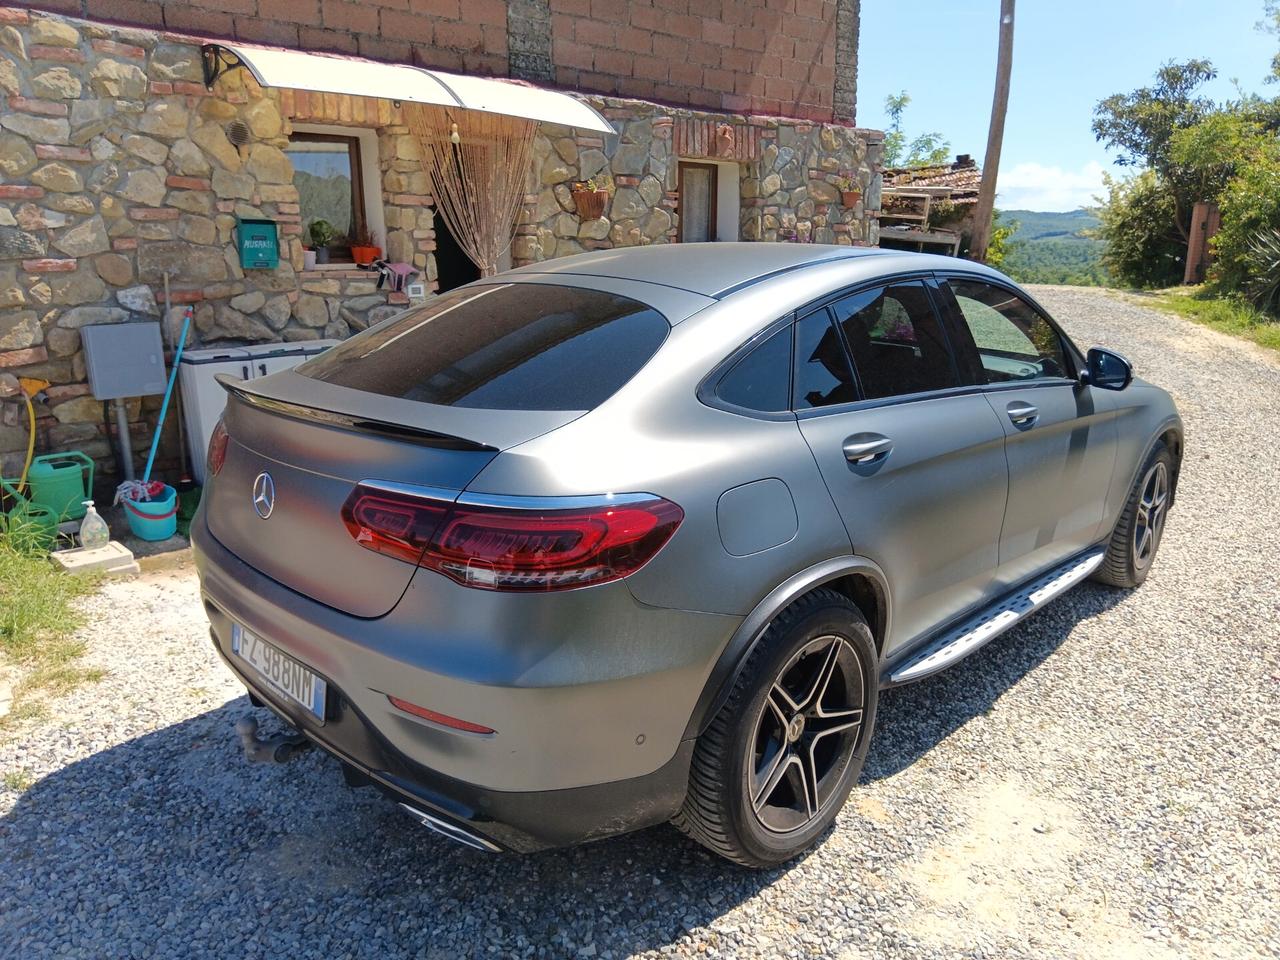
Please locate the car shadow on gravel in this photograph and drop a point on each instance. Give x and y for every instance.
(174, 830)
(911, 720)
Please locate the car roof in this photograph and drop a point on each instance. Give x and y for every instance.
(719, 269)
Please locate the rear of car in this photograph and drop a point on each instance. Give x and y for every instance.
(477, 655)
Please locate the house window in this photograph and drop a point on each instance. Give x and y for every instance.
(698, 187)
(327, 173)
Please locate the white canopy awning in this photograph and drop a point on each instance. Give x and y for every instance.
(325, 73)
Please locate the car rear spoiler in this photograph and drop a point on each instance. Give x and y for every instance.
(391, 431)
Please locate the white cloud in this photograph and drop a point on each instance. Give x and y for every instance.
(1033, 186)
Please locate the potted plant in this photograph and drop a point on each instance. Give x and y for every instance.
(364, 249)
(590, 196)
(308, 258)
(322, 234)
(850, 192)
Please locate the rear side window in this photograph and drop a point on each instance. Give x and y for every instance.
(896, 341)
(822, 375)
(762, 379)
(508, 347)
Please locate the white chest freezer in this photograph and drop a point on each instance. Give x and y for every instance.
(203, 398)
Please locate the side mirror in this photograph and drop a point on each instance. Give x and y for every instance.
(1107, 370)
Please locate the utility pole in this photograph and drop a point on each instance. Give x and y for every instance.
(995, 138)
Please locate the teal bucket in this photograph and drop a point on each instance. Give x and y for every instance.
(155, 519)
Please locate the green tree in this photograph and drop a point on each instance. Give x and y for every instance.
(998, 244)
(1143, 247)
(925, 150)
(1140, 127)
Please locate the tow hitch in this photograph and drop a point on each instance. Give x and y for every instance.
(281, 748)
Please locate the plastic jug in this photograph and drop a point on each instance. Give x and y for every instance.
(60, 482)
(93, 529)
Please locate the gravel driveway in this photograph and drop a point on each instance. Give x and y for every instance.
(1102, 781)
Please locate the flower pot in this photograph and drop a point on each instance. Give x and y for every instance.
(850, 197)
(308, 259)
(363, 256)
(322, 254)
(590, 203)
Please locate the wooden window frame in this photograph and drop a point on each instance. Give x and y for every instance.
(358, 220)
(713, 234)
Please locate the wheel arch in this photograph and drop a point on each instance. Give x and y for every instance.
(1171, 436)
(859, 579)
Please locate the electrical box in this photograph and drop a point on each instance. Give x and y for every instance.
(259, 244)
(124, 359)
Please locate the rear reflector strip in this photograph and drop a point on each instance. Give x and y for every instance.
(441, 718)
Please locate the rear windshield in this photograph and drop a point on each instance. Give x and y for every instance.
(519, 346)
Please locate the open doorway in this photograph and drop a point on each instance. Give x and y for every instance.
(453, 267)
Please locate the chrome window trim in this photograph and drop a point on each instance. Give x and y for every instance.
(589, 501)
(411, 490)
(963, 390)
(1039, 383)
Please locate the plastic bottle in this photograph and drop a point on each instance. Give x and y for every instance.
(93, 529)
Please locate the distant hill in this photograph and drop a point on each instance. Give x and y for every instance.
(1052, 247)
(1033, 225)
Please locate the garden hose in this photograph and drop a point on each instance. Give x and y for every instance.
(29, 388)
(31, 440)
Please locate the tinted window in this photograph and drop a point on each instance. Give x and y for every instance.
(896, 341)
(822, 375)
(1014, 341)
(762, 379)
(509, 347)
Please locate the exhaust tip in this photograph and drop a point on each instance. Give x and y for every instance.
(452, 831)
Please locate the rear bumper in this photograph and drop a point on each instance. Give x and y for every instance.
(589, 692)
(522, 822)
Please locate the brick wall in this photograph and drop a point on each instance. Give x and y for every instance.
(794, 58)
(775, 57)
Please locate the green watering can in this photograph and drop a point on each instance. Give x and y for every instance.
(58, 483)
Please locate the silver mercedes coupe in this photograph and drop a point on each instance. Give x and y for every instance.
(637, 536)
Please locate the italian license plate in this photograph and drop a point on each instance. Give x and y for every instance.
(283, 674)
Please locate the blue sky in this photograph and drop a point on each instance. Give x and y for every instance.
(1068, 55)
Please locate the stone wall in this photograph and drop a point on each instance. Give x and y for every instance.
(116, 168)
(787, 179)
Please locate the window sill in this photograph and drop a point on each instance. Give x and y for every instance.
(338, 271)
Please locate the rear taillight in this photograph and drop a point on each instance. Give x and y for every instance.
(217, 449)
(392, 522)
(513, 547)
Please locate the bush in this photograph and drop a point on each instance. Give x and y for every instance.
(1263, 288)
(1144, 248)
(1250, 206)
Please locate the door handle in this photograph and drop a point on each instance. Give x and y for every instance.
(1022, 414)
(866, 447)
(262, 369)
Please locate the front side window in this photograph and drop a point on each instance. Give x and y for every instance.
(1014, 341)
(896, 341)
(822, 376)
(326, 172)
(502, 347)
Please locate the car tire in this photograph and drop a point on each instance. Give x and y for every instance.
(784, 724)
(1138, 531)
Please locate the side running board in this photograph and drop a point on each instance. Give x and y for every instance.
(960, 641)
